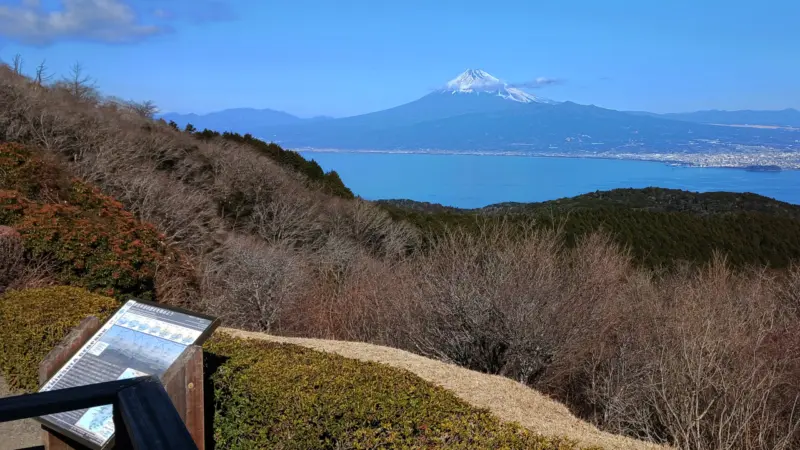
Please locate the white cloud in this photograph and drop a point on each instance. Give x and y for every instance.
(194, 11)
(96, 20)
(538, 83)
(162, 13)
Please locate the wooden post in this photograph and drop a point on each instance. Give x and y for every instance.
(183, 382)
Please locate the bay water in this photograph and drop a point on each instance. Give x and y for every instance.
(472, 181)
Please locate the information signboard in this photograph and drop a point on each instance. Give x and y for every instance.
(141, 338)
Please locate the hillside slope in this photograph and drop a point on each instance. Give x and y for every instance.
(661, 227)
(648, 199)
(659, 200)
(509, 400)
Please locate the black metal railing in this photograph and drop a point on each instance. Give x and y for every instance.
(144, 416)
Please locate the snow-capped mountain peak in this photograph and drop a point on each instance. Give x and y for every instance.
(476, 81)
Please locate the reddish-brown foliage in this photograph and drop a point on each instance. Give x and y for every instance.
(94, 242)
(10, 255)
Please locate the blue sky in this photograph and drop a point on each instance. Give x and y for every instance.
(348, 57)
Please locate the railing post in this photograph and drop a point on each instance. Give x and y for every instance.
(150, 419)
(122, 440)
(143, 414)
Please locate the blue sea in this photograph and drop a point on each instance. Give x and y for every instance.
(471, 181)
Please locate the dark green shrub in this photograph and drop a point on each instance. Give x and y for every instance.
(283, 396)
(34, 321)
(758, 234)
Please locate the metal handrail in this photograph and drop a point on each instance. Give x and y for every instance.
(144, 416)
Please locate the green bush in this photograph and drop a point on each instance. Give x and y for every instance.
(272, 395)
(34, 321)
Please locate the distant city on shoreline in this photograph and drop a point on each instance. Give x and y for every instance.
(749, 159)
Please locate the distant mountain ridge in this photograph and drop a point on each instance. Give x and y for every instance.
(477, 111)
(238, 120)
(788, 117)
(440, 121)
(647, 199)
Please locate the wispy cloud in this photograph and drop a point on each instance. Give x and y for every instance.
(211, 11)
(95, 20)
(194, 11)
(110, 21)
(537, 83)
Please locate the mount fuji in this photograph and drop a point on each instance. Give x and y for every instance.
(472, 92)
(478, 82)
(479, 112)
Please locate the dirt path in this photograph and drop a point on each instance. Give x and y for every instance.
(20, 433)
(507, 399)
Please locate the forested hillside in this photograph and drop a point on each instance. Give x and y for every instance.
(661, 227)
(700, 356)
(658, 200)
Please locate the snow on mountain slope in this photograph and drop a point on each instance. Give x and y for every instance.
(476, 81)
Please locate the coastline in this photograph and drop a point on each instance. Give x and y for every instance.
(689, 160)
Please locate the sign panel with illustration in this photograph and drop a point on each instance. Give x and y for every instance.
(140, 339)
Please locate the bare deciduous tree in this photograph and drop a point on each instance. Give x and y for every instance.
(289, 217)
(255, 284)
(146, 109)
(487, 302)
(42, 77)
(79, 84)
(16, 64)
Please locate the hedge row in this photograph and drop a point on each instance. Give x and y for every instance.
(34, 321)
(272, 395)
